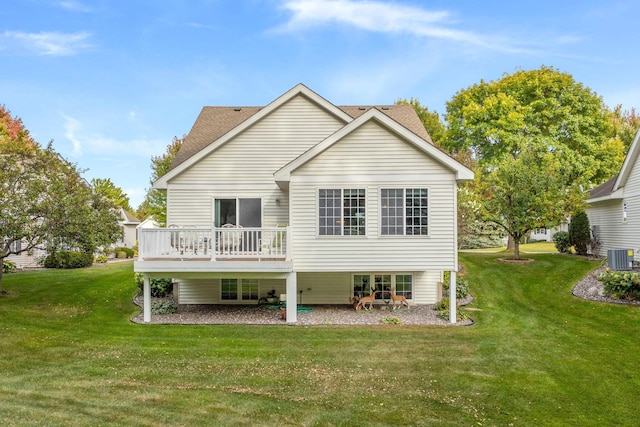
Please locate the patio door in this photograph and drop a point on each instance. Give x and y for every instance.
(241, 212)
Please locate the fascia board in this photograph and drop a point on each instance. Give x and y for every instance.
(299, 89)
(629, 161)
(616, 195)
(462, 172)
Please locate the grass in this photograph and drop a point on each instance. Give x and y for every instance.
(536, 356)
(536, 247)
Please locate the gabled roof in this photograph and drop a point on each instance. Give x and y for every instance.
(128, 217)
(462, 173)
(217, 125)
(203, 144)
(612, 189)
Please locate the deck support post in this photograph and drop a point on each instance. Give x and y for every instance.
(292, 303)
(146, 297)
(452, 298)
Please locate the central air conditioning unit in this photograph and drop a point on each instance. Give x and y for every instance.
(620, 259)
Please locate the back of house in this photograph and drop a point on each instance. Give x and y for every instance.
(308, 200)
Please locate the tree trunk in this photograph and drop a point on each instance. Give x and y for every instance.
(2, 291)
(511, 244)
(516, 249)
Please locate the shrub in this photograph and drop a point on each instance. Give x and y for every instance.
(128, 252)
(391, 320)
(9, 266)
(442, 309)
(101, 259)
(621, 285)
(462, 287)
(163, 307)
(580, 232)
(159, 287)
(68, 259)
(562, 242)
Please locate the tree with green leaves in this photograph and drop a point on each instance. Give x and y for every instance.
(106, 188)
(625, 124)
(521, 193)
(494, 119)
(538, 111)
(580, 232)
(155, 201)
(430, 119)
(44, 201)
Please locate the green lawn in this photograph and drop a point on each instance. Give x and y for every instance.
(536, 356)
(537, 247)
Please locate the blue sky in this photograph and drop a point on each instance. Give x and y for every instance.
(111, 82)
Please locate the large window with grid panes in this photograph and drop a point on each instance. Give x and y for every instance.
(382, 284)
(342, 212)
(239, 290)
(404, 211)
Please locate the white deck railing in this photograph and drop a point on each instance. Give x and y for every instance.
(212, 243)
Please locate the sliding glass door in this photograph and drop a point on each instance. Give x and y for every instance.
(242, 212)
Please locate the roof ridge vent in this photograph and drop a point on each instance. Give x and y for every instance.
(237, 109)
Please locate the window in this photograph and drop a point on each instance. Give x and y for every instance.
(404, 285)
(229, 289)
(341, 212)
(382, 286)
(383, 283)
(404, 211)
(250, 289)
(15, 246)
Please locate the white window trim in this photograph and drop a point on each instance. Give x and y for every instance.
(239, 298)
(393, 275)
(342, 235)
(404, 212)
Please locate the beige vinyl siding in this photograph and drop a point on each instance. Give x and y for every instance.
(337, 287)
(317, 288)
(194, 207)
(244, 166)
(371, 149)
(253, 156)
(25, 260)
(207, 291)
(613, 232)
(198, 291)
(372, 158)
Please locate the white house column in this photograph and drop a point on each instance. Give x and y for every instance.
(292, 302)
(146, 294)
(452, 297)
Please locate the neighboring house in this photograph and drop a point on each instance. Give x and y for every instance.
(614, 207)
(148, 223)
(546, 234)
(128, 222)
(26, 259)
(316, 202)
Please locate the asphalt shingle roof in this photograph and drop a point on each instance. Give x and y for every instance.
(214, 122)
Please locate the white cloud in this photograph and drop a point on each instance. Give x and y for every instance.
(73, 5)
(71, 126)
(374, 16)
(84, 142)
(394, 18)
(47, 43)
